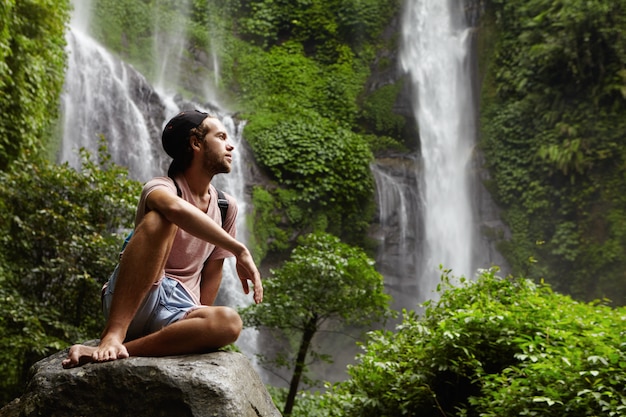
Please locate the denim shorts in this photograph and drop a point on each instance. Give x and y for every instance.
(166, 302)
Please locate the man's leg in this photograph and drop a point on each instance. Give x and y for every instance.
(203, 330)
(141, 265)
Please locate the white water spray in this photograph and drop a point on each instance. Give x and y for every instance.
(97, 101)
(435, 55)
(169, 45)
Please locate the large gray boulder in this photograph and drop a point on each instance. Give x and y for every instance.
(218, 384)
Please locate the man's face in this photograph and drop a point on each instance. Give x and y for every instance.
(217, 149)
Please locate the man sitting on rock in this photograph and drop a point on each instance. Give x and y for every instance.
(159, 300)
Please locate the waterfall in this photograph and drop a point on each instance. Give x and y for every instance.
(102, 96)
(105, 97)
(434, 54)
(398, 204)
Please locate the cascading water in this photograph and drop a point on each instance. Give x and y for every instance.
(398, 205)
(104, 97)
(98, 100)
(435, 56)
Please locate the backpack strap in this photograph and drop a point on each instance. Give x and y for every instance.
(222, 202)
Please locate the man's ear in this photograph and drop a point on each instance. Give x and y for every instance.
(194, 142)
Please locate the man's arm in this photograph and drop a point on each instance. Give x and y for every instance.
(211, 280)
(192, 220)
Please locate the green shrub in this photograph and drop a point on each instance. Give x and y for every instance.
(493, 347)
(28, 332)
(60, 235)
(326, 166)
(320, 25)
(284, 80)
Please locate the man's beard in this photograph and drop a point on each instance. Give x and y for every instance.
(217, 167)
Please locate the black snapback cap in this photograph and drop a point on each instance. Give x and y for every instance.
(176, 133)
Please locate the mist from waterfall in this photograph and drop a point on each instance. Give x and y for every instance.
(434, 54)
(169, 45)
(104, 97)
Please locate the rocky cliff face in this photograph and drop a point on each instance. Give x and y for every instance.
(220, 384)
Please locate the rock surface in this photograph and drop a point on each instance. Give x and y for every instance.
(219, 384)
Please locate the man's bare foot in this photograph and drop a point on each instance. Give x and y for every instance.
(78, 356)
(109, 349)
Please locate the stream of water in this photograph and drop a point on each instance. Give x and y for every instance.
(435, 55)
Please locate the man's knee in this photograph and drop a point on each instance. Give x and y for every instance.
(228, 321)
(155, 225)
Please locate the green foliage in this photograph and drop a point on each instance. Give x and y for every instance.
(32, 67)
(321, 26)
(28, 332)
(492, 347)
(324, 281)
(381, 144)
(299, 131)
(264, 222)
(61, 233)
(307, 403)
(326, 165)
(553, 119)
(284, 80)
(378, 112)
(301, 88)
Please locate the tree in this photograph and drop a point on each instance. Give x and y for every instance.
(323, 280)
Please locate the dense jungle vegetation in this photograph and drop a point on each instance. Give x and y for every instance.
(553, 117)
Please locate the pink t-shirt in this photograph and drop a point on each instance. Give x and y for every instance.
(189, 254)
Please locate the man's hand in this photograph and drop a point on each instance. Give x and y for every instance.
(247, 270)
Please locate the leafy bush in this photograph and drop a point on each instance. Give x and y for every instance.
(327, 167)
(284, 80)
(61, 231)
(493, 347)
(28, 332)
(378, 111)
